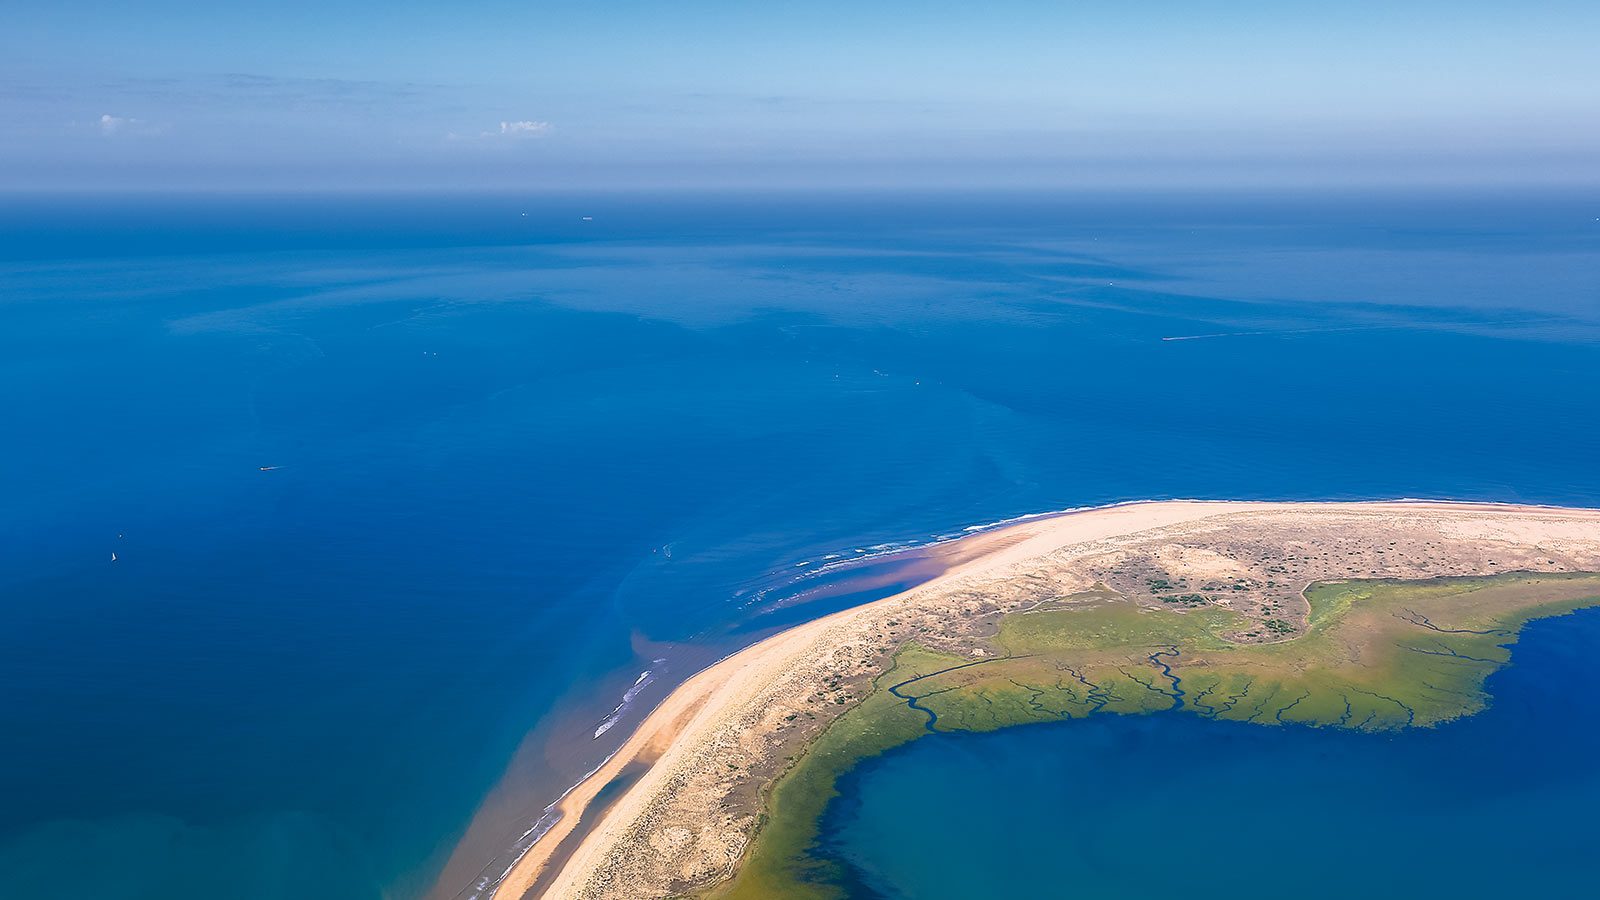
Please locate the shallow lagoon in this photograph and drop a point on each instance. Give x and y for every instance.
(1498, 804)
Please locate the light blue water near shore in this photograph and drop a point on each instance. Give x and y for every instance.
(517, 457)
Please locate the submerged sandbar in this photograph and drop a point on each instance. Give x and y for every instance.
(1267, 612)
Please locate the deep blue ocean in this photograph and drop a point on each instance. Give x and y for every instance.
(408, 493)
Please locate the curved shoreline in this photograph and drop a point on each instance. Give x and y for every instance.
(942, 550)
(662, 724)
(712, 699)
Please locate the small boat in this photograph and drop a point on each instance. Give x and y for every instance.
(268, 468)
(113, 556)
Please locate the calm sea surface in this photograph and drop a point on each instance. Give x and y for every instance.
(407, 494)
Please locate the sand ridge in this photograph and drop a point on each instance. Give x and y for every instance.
(725, 732)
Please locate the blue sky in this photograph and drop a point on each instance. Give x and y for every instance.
(552, 94)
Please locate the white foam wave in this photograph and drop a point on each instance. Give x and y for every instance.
(487, 884)
(639, 684)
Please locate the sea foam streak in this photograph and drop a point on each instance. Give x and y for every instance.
(639, 684)
(486, 884)
(488, 881)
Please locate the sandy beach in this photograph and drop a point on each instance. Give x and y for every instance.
(674, 822)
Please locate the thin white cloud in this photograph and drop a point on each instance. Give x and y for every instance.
(114, 125)
(522, 128)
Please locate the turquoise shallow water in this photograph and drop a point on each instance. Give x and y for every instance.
(519, 459)
(1499, 804)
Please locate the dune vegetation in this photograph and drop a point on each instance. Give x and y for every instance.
(1373, 655)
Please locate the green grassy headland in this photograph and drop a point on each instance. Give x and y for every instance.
(1374, 656)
